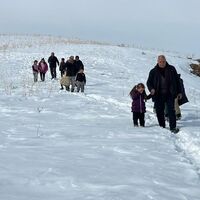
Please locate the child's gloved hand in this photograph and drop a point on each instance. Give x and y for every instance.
(180, 96)
(153, 92)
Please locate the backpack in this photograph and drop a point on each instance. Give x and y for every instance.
(65, 80)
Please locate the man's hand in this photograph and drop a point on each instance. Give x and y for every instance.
(153, 92)
(180, 96)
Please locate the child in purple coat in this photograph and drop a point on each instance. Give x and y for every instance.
(139, 97)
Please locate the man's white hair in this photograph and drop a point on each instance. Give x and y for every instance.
(161, 57)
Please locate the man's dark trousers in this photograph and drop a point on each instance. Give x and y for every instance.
(53, 72)
(160, 102)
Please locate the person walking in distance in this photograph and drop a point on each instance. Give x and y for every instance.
(71, 72)
(164, 85)
(62, 67)
(53, 62)
(80, 80)
(79, 64)
(35, 69)
(43, 68)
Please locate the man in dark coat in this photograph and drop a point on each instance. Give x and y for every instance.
(79, 64)
(53, 62)
(164, 85)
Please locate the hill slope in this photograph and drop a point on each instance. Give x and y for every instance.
(58, 145)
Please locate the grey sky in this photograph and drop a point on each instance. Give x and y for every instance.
(163, 24)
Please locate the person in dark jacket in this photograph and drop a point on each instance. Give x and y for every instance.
(53, 62)
(184, 98)
(79, 64)
(80, 80)
(35, 69)
(139, 97)
(62, 67)
(179, 102)
(164, 85)
(71, 72)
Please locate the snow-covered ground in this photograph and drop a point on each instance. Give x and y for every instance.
(56, 145)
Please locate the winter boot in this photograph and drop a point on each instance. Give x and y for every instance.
(178, 116)
(67, 88)
(174, 130)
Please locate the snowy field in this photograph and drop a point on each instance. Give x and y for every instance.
(56, 145)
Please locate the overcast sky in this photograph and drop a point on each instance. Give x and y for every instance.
(163, 24)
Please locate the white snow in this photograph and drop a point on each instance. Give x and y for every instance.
(56, 145)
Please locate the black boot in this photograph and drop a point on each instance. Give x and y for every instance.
(67, 88)
(61, 87)
(174, 130)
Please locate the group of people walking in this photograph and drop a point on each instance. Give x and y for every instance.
(166, 90)
(164, 84)
(71, 72)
